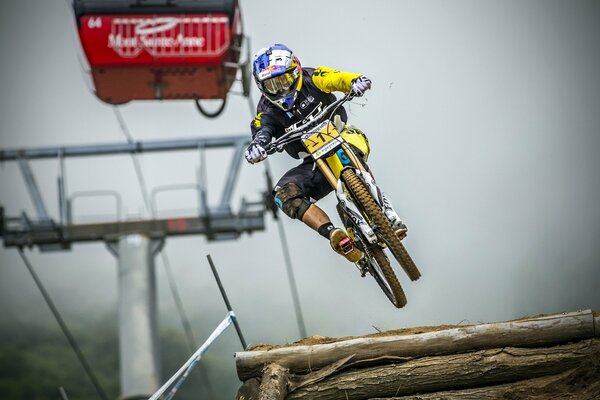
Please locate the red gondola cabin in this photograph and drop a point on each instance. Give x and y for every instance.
(144, 49)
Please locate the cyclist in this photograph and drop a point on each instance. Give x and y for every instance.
(290, 93)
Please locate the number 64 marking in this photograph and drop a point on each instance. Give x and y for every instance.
(95, 22)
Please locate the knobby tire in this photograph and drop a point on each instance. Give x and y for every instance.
(397, 295)
(362, 196)
(384, 227)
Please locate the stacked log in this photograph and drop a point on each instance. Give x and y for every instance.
(464, 361)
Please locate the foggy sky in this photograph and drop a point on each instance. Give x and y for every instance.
(484, 122)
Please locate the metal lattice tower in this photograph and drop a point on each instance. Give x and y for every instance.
(133, 242)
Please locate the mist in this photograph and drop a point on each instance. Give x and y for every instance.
(484, 124)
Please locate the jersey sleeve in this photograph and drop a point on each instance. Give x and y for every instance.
(330, 80)
(262, 126)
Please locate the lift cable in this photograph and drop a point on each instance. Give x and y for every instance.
(64, 328)
(288, 266)
(136, 161)
(191, 342)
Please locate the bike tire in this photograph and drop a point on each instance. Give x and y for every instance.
(385, 276)
(382, 271)
(386, 232)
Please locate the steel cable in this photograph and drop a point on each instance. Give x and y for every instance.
(64, 328)
(288, 266)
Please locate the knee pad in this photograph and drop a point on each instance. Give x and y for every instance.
(292, 201)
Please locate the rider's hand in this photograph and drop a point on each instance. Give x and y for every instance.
(360, 85)
(255, 153)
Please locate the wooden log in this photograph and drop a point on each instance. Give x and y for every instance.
(298, 381)
(450, 372)
(493, 392)
(249, 390)
(530, 332)
(274, 383)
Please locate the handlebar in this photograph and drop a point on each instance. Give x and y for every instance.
(277, 145)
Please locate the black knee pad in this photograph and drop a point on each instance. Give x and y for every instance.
(292, 201)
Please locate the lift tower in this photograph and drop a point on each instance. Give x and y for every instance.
(133, 242)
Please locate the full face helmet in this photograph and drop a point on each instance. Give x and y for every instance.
(278, 74)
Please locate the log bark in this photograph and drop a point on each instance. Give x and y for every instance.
(274, 383)
(296, 381)
(494, 392)
(451, 372)
(531, 332)
(249, 390)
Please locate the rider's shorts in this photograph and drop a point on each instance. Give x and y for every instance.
(309, 179)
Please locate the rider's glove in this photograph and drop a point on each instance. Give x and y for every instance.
(360, 85)
(255, 153)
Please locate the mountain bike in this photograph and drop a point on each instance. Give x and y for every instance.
(340, 152)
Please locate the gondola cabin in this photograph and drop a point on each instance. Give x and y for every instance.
(161, 50)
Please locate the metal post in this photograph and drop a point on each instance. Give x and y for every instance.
(62, 195)
(138, 328)
(227, 304)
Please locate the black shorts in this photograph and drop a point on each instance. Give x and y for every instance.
(309, 179)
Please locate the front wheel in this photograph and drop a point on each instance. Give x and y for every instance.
(362, 196)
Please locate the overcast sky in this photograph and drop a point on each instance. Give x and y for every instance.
(484, 122)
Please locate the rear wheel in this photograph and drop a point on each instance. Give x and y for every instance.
(379, 266)
(384, 229)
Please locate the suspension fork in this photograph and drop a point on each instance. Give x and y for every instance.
(322, 165)
(346, 203)
(354, 160)
(376, 192)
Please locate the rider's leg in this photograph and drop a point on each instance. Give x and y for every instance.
(294, 204)
(340, 242)
(293, 194)
(316, 218)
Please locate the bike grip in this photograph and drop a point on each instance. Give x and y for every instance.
(271, 150)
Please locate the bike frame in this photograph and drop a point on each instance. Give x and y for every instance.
(369, 218)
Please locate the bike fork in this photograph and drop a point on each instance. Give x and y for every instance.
(382, 200)
(352, 211)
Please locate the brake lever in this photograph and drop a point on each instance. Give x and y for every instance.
(274, 149)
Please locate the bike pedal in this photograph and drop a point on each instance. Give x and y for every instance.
(346, 245)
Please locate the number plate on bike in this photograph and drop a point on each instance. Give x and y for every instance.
(323, 141)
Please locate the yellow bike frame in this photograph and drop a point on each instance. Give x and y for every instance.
(328, 139)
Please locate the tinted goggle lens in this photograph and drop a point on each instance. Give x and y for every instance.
(281, 83)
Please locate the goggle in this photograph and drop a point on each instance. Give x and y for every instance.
(282, 83)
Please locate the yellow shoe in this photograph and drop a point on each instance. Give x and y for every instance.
(342, 244)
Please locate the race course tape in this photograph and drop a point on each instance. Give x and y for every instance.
(185, 369)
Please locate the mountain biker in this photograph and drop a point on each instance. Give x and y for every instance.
(290, 93)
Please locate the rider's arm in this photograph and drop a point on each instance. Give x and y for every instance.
(263, 127)
(330, 80)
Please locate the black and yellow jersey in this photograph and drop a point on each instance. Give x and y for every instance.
(315, 93)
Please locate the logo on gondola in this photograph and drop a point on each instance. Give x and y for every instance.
(169, 36)
(156, 25)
